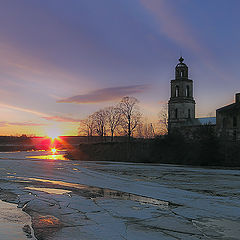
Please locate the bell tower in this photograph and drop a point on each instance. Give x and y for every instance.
(181, 106)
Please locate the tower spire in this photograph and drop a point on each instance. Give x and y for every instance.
(181, 59)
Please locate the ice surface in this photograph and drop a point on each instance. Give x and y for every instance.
(100, 200)
(12, 220)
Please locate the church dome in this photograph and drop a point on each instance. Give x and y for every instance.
(181, 70)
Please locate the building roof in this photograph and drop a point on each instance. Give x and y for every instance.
(201, 121)
(230, 107)
(207, 120)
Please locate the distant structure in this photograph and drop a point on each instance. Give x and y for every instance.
(181, 106)
(181, 110)
(228, 120)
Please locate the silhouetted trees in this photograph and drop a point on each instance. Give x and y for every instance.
(130, 115)
(113, 116)
(87, 126)
(124, 118)
(163, 119)
(100, 122)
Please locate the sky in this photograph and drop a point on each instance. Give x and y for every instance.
(62, 60)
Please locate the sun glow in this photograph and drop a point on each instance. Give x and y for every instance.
(53, 136)
(53, 133)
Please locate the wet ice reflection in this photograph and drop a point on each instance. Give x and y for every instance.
(49, 190)
(95, 192)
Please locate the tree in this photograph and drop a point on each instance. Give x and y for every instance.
(87, 126)
(149, 130)
(130, 115)
(145, 129)
(163, 119)
(113, 116)
(100, 121)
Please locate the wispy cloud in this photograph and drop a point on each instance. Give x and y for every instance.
(173, 25)
(28, 124)
(61, 119)
(106, 94)
(34, 112)
(27, 110)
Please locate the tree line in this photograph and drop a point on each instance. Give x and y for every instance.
(122, 119)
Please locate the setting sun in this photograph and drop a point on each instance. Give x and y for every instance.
(53, 133)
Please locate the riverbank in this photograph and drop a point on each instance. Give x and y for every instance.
(170, 150)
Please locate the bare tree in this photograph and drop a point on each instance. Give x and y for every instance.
(163, 119)
(145, 130)
(140, 130)
(113, 116)
(149, 130)
(130, 115)
(87, 126)
(100, 121)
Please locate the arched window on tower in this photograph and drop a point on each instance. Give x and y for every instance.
(176, 113)
(187, 91)
(177, 91)
(189, 113)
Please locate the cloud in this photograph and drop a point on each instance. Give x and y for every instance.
(61, 119)
(105, 94)
(22, 109)
(6, 123)
(42, 115)
(172, 24)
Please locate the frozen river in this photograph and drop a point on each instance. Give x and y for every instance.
(106, 200)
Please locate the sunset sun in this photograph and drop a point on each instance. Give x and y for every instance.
(53, 133)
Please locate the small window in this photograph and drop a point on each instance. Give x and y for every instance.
(189, 113)
(176, 113)
(234, 121)
(177, 91)
(187, 91)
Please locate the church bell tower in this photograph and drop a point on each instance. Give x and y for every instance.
(181, 106)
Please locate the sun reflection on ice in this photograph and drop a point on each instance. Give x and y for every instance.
(54, 151)
(54, 154)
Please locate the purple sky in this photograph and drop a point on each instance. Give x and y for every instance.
(62, 60)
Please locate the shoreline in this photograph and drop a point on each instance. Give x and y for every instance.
(160, 152)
